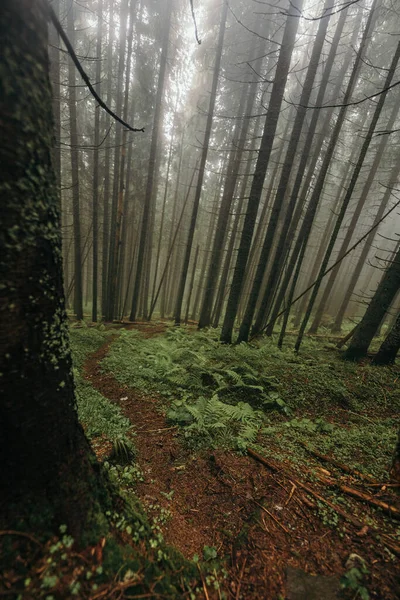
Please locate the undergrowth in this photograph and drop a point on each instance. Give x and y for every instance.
(225, 395)
(132, 559)
(98, 415)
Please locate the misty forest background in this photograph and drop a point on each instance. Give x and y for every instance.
(236, 197)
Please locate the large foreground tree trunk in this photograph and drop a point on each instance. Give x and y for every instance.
(43, 452)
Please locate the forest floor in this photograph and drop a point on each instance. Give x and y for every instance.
(247, 493)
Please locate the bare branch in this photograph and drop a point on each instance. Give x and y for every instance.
(196, 33)
(82, 73)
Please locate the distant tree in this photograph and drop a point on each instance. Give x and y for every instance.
(95, 200)
(43, 451)
(74, 153)
(203, 160)
(267, 140)
(151, 185)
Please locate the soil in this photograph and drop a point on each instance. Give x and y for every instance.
(270, 535)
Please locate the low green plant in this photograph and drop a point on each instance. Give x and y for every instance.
(353, 580)
(97, 414)
(213, 422)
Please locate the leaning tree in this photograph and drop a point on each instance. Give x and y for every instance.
(44, 454)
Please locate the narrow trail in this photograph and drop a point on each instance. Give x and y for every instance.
(230, 502)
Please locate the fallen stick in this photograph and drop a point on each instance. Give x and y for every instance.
(392, 511)
(272, 516)
(338, 464)
(354, 521)
(334, 507)
(263, 461)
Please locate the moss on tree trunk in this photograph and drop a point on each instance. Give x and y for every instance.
(43, 450)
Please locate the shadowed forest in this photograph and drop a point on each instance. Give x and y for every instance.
(199, 299)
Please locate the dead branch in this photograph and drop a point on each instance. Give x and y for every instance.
(339, 465)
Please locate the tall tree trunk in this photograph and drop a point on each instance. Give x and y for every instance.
(107, 165)
(301, 187)
(207, 134)
(113, 245)
(268, 136)
(78, 303)
(191, 284)
(235, 158)
(54, 53)
(377, 308)
(164, 203)
(305, 185)
(280, 194)
(43, 452)
(366, 249)
(121, 193)
(151, 183)
(354, 220)
(349, 194)
(95, 205)
(165, 286)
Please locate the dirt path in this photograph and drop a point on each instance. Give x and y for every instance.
(234, 504)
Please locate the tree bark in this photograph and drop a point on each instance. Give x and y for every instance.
(44, 454)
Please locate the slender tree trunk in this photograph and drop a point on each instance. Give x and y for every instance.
(186, 259)
(107, 166)
(271, 121)
(387, 353)
(349, 194)
(191, 284)
(166, 186)
(321, 250)
(360, 205)
(165, 287)
(377, 308)
(113, 244)
(280, 196)
(78, 303)
(54, 53)
(211, 231)
(297, 186)
(149, 196)
(365, 251)
(304, 233)
(235, 158)
(95, 206)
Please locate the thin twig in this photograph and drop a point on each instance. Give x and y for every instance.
(272, 516)
(240, 579)
(196, 33)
